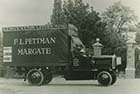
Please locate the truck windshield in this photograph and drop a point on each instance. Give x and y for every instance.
(76, 41)
(73, 33)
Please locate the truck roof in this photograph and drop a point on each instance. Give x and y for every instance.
(33, 27)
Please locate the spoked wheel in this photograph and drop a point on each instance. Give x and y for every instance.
(104, 78)
(35, 77)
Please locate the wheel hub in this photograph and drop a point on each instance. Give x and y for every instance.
(104, 76)
(35, 75)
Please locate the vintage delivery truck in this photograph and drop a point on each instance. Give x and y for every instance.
(38, 51)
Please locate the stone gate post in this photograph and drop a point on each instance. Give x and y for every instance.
(130, 68)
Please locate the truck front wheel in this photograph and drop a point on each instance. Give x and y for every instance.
(35, 77)
(104, 78)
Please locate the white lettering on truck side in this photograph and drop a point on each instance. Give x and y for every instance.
(30, 41)
(15, 41)
(34, 51)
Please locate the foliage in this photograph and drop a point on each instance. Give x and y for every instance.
(85, 19)
(117, 18)
(57, 16)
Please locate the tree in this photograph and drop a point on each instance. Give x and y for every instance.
(57, 16)
(87, 20)
(117, 17)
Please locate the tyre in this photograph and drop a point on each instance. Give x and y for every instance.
(104, 78)
(35, 77)
(47, 77)
(114, 77)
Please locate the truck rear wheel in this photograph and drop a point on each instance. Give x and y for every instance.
(104, 78)
(35, 77)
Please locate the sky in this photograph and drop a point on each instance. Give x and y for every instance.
(38, 12)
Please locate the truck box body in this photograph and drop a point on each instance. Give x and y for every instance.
(35, 47)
